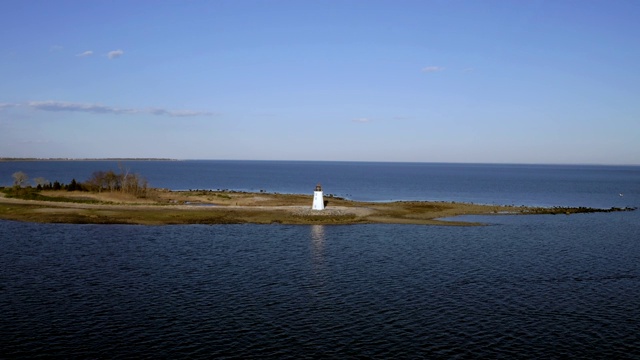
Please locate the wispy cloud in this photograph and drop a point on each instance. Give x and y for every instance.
(55, 48)
(115, 54)
(35, 142)
(68, 106)
(102, 109)
(431, 69)
(7, 105)
(85, 53)
(177, 113)
(362, 120)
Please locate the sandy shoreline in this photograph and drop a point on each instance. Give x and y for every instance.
(209, 207)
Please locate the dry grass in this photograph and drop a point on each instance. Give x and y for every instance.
(205, 207)
(102, 197)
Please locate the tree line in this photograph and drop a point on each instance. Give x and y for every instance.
(124, 182)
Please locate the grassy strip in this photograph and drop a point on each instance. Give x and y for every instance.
(248, 208)
(162, 216)
(34, 194)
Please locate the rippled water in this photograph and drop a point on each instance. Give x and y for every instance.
(524, 286)
(533, 287)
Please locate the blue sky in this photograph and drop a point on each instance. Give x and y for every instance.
(427, 81)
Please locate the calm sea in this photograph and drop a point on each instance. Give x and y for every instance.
(545, 185)
(523, 286)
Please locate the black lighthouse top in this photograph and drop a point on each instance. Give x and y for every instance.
(318, 188)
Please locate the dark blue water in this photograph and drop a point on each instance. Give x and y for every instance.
(524, 286)
(543, 185)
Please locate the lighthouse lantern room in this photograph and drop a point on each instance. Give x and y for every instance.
(318, 201)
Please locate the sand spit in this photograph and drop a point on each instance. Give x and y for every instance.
(164, 207)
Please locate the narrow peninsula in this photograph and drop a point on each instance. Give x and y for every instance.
(164, 207)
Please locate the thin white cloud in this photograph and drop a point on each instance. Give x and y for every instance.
(7, 105)
(177, 113)
(362, 120)
(469, 69)
(56, 48)
(115, 54)
(430, 69)
(85, 53)
(69, 106)
(35, 142)
(102, 109)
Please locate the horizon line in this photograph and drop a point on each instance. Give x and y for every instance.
(289, 160)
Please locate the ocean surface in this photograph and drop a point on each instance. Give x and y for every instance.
(521, 287)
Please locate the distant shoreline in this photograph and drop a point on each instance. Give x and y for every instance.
(16, 159)
(87, 159)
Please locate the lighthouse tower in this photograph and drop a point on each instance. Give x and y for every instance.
(318, 201)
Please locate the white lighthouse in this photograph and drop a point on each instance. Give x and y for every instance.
(318, 201)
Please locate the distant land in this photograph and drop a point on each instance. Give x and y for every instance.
(85, 159)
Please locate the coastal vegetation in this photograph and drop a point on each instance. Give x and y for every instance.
(125, 198)
(124, 182)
